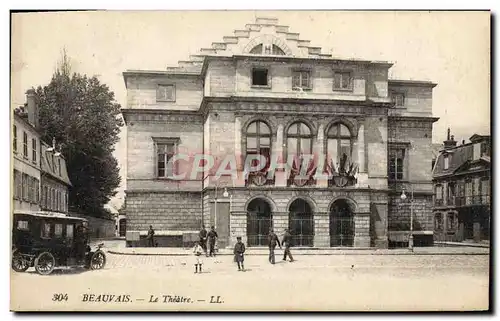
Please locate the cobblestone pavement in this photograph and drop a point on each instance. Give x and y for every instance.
(350, 282)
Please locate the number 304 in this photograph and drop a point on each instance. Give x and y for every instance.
(60, 297)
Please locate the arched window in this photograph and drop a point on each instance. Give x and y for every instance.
(339, 142)
(258, 138)
(267, 49)
(299, 139)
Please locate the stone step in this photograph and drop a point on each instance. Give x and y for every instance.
(253, 27)
(230, 39)
(284, 29)
(209, 51)
(303, 43)
(314, 50)
(266, 21)
(242, 33)
(292, 36)
(200, 58)
(219, 45)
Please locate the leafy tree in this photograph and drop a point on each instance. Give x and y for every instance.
(81, 114)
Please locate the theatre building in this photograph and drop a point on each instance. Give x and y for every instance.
(265, 91)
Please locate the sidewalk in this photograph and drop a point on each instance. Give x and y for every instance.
(169, 251)
(468, 244)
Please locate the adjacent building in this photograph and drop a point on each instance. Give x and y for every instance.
(26, 156)
(265, 91)
(462, 187)
(40, 177)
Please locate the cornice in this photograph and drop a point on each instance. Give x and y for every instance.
(161, 115)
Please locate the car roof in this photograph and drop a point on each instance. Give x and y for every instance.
(46, 214)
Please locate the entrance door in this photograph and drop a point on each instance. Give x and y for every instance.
(259, 221)
(220, 219)
(341, 224)
(301, 223)
(122, 227)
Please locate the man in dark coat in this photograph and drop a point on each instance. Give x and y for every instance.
(150, 237)
(287, 241)
(273, 241)
(203, 239)
(239, 249)
(212, 237)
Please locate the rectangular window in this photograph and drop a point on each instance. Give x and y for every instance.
(45, 233)
(17, 185)
(485, 191)
(25, 144)
(25, 187)
(439, 195)
(33, 150)
(342, 80)
(165, 93)
(468, 192)
(22, 225)
(396, 163)
(398, 99)
(45, 197)
(59, 165)
(446, 161)
(36, 190)
(58, 229)
(69, 231)
(14, 140)
(52, 199)
(260, 77)
(439, 221)
(301, 80)
(164, 153)
(451, 226)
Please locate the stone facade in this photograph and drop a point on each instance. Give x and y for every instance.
(252, 77)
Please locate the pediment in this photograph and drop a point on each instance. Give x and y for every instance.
(266, 32)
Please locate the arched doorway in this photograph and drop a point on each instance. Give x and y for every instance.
(301, 223)
(341, 224)
(122, 227)
(259, 221)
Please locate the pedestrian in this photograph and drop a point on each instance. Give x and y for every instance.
(239, 249)
(203, 239)
(212, 237)
(150, 237)
(198, 263)
(273, 241)
(287, 241)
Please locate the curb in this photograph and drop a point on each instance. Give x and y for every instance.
(264, 254)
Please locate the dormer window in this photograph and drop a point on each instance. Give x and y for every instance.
(267, 49)
(446, 160)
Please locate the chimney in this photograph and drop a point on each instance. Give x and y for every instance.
(450, 142)
(32, 107)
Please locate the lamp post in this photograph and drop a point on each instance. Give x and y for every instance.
(403, 197)
(225, 194)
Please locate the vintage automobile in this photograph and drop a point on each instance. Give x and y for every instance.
(46, 240)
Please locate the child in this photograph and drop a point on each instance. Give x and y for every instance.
(239, 249)
(197, 250)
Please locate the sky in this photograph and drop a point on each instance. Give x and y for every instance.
(451, 49)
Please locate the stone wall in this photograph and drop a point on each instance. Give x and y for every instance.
(100, 228)
(167, 212)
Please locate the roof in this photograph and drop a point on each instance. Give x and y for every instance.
(436, 149)
(47, 214)
(420, 83)
(460, 157)
(50, 165)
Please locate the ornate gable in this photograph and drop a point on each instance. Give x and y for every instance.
(264, 37)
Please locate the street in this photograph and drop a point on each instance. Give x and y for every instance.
(313, 282)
